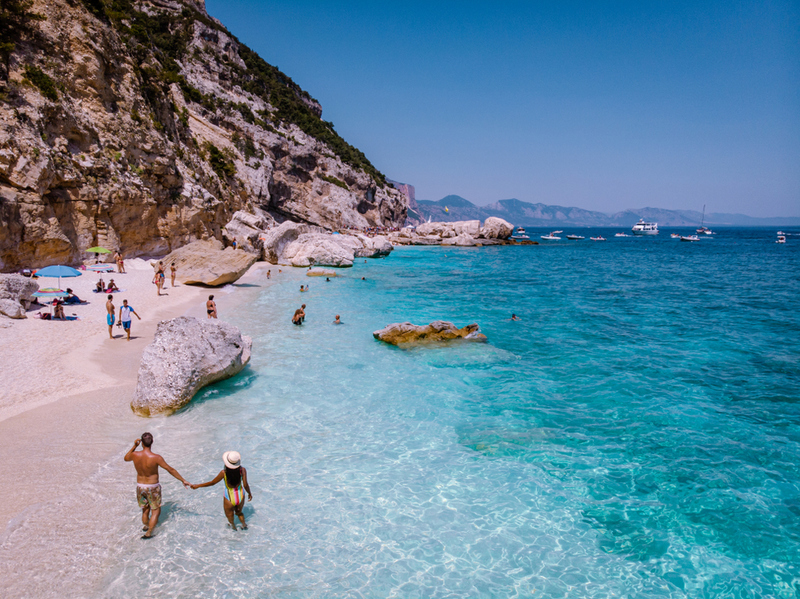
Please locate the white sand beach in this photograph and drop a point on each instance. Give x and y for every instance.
(67, 387)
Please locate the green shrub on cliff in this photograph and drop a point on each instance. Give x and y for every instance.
(16, 22)
(42, 80)
(221, 163)
(335, 181)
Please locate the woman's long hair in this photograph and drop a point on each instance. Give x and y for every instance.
(233, 476)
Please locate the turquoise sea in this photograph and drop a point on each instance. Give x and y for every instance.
(636, 434)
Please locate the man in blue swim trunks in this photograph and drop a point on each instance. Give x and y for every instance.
(125, 312)
(110, 315)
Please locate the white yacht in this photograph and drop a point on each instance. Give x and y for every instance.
(551, 236)
(520, 235)
(643, 228)
(621, 235)
(781, 239)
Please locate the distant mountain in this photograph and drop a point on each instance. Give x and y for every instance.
(454, 208)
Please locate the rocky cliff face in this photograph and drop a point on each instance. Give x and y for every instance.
(144, 125)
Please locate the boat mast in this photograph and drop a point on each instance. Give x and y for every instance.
(703, 221)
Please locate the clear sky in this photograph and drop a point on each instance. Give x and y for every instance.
(601, 105)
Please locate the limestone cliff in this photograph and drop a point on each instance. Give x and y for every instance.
(144, 125)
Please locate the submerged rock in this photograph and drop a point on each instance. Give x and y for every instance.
(186, 355)
(16, 294)
(206, 263)
(404, 333)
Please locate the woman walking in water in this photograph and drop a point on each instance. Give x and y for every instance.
(235, 477)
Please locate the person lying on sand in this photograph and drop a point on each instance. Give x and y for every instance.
(148, 489)
(235, 477)
(72, 298)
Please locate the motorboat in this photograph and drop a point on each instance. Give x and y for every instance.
(598, 238)
(520, 235)
(643, 228)
(781, 239)
(690, 238)
(675, 235)
(621, 235)
(551, 236)
(575, 237)
(781, 233)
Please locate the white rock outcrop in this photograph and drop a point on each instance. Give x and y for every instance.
(16, 294)
(461, 233)
(186, 355)
(207, 263)
(247, 230)
(496, 228)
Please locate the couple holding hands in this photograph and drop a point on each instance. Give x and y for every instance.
(148, 488)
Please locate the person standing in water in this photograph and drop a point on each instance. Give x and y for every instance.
(211, 307)
(337, 321)
(235, 477)
(148, 489)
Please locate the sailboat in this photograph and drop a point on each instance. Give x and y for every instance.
(704, 230)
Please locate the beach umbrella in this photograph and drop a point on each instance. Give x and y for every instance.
(50, 292)
(100, 268)
(98, 250)
(59, 270)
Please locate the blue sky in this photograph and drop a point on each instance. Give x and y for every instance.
(601, 105)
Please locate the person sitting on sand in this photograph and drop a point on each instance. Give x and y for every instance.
(515, 317)
(58, 310)
(112, 286)
(235, 477)
(72, 298)
(148, 488)
(337, 321)
(211, 307)
(100, 287)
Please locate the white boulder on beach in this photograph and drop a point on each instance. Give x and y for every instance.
(186, 355)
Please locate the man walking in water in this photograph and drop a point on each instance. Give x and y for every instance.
(148, 489)
(110, 316)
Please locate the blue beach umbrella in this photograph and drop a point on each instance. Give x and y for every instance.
(59, 270)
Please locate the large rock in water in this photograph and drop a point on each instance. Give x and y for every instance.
(207, 263)
(16, 294)
(496, 228)
(405, 333)
(186, 355)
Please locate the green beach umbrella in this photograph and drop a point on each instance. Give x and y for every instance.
(98, 250)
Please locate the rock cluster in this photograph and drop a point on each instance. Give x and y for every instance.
(405, 333)
(207, 263)
(115, 155)
(16, 294)
(460, 233)
(295, 244)
(186, 355)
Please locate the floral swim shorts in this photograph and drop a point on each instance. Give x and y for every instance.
(149, 496)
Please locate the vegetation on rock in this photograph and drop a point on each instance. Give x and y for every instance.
(42, 80)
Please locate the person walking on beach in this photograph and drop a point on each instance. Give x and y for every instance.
(172, 272)
(211, 307)
(235, 477)
(159, 278)
(125, 312)
(148, 489)
(110, 315)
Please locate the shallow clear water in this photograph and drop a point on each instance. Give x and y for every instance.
(636, 434)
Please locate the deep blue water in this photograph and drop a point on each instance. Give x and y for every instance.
(636, 434)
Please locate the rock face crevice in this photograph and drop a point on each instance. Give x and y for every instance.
(158, 128)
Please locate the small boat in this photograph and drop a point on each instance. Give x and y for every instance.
(621, 235)
(598, 238)
(781, 239)
(690, 238)
(675, 235)
(551, 236)
(781, 233)
(704, 230)
(575, 237)
(520, 235)
(643, 228)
